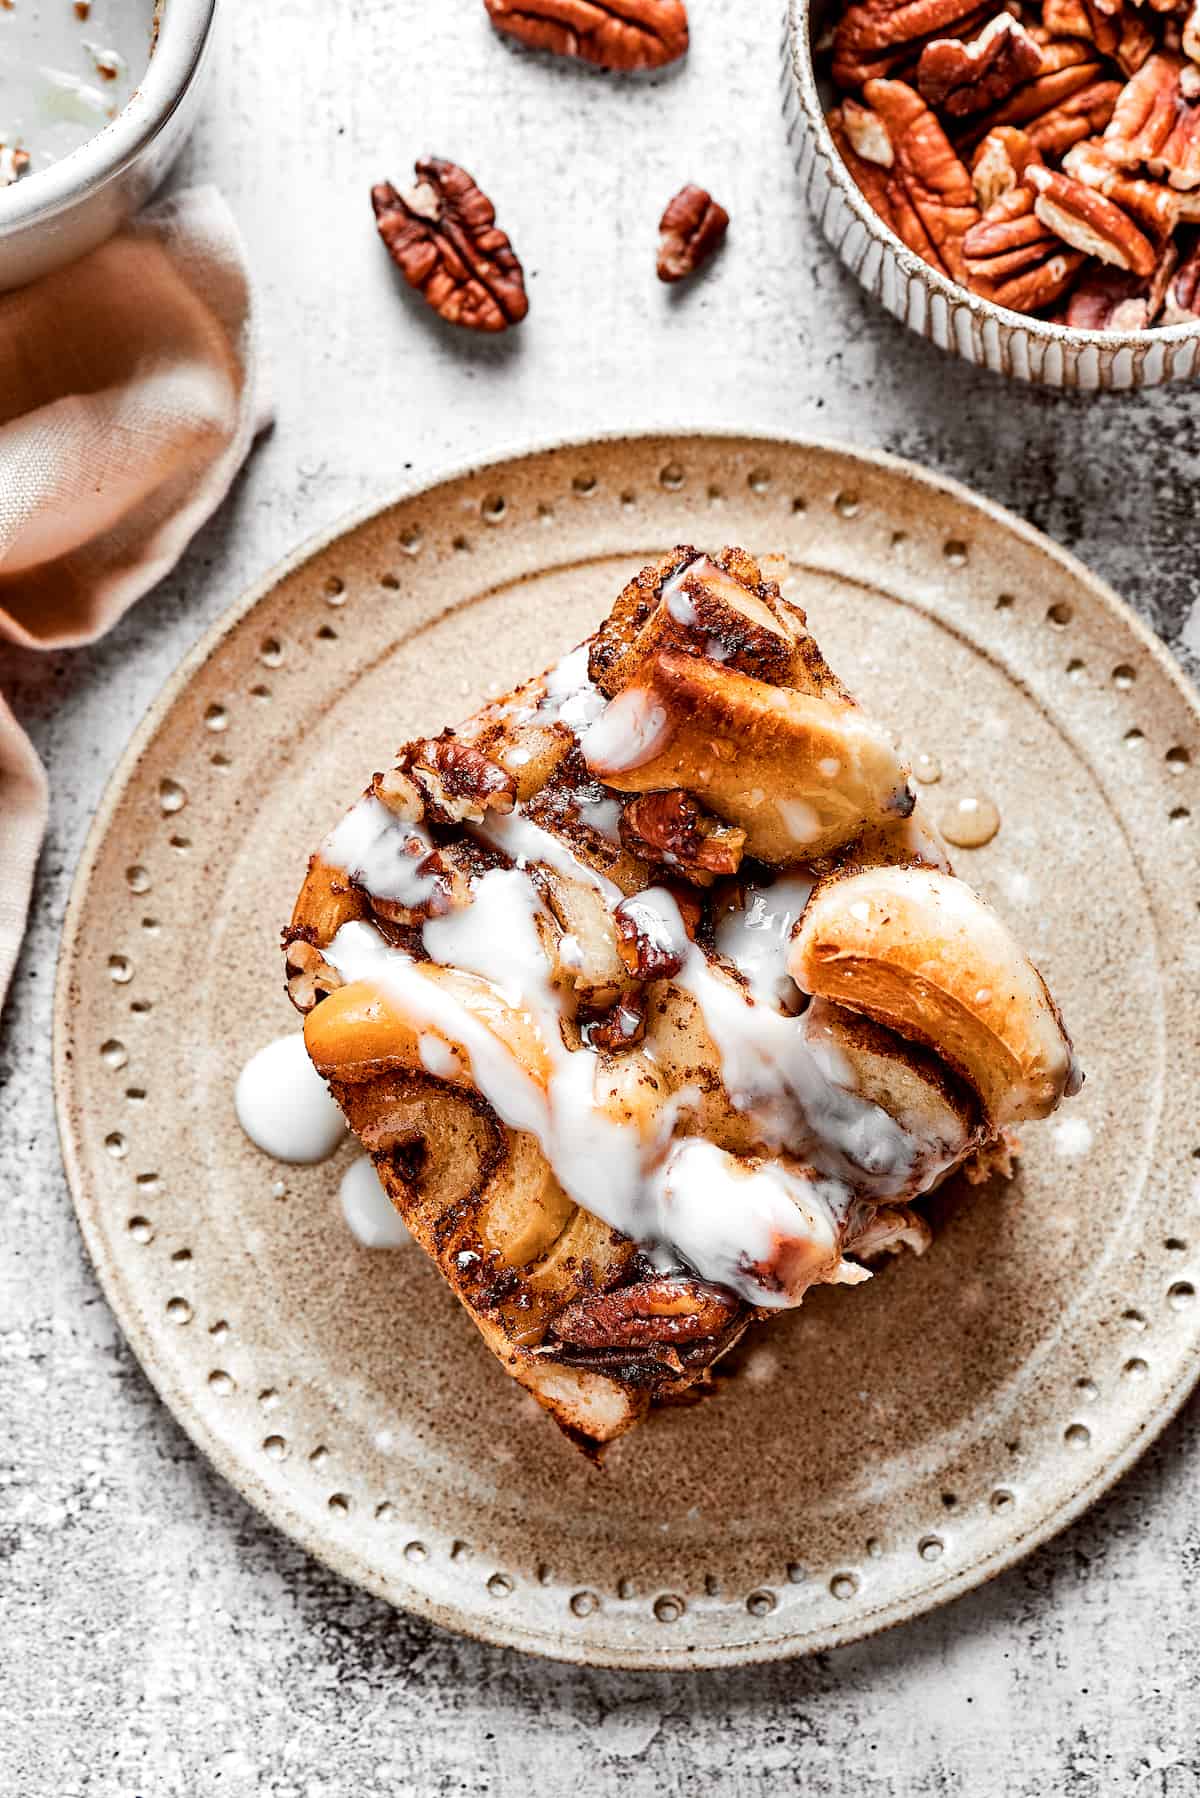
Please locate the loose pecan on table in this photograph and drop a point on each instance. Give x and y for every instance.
(613, 34)
(691, 230)
(443, 237)
(670, 1309)
(958, 78)
(672, 827)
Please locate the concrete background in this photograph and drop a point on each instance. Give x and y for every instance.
(157, 1638)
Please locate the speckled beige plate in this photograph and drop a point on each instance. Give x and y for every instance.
(876, 1453)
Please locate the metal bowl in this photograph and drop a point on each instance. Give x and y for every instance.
(61, 212)
(928, 302)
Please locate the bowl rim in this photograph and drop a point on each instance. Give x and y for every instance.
(803, 73)
(184, 29)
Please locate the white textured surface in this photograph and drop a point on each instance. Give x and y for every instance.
(157, 1638)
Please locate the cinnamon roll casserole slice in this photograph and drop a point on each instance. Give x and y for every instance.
(654, 1000)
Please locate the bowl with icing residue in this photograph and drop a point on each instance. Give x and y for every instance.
(143, 62)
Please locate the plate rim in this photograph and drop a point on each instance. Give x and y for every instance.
(345, 1561)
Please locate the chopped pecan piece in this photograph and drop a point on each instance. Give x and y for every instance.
(877, 36)
(963, 78)
(309, 976)
(644, 945)
(999, 163)
(1087, 221)
(400, 793)
(671, 827)
(619, 1028)
(673, 1308)
(460, 782)
(443, 237)
(867, 134)
(1156, 121)
(1016, 260)
(928, 198)
(691, 230)
(612, 34)
(1118, 31)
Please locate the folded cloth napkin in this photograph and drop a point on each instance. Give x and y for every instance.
(130, 392)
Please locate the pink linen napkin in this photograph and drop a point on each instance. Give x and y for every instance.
(130, 392)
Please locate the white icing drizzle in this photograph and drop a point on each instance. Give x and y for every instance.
(570, 697)
(630, 731)
(762, 1228)
(284, 1106)
(517, 836)
(602, 814)
(369, 1213)
(800, 1093)
(755, 938)
(731, 1219)
(381, 852)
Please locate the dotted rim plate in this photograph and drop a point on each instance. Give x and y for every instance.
(344, 1394)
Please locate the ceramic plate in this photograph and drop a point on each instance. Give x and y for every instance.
(869, 1456)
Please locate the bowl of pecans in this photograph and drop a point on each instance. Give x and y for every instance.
(1021, 186)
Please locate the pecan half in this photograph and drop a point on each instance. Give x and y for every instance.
(1155, 207)
(877, 36)
(1118, 31)
(1083, 218)
(1156, 121)
(670, 1309)
(1182, 304)
(309, 976)
(1190, 36)
(999, 163)
(459, 781)
(1070, 98)
(962, 78)
(927, 195)
(691, 230)
(671, 827)
(443, 237)
(612, 34)
(1112, 299)
(1015, 259)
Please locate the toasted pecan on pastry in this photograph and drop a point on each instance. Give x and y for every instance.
(654, 1000)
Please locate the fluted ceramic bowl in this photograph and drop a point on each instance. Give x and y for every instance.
(928, 302)
(51, 217)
